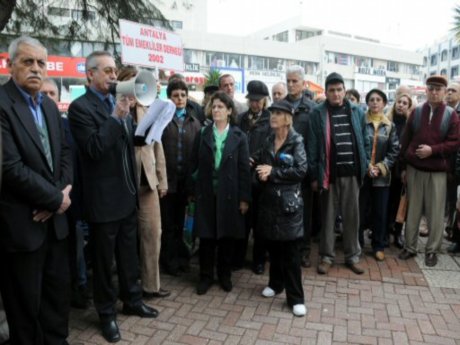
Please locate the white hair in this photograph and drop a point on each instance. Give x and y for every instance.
(16, 43)
(297, 70)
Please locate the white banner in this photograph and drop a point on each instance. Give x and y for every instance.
(148, 46)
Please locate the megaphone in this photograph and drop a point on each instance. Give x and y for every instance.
(143, 87)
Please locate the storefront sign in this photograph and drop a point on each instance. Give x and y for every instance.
(57, 66)
(192, 67)
(148, 46)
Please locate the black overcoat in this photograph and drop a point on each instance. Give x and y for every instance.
(217, 214)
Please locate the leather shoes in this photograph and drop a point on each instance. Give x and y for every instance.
(141, 310)
(454, 248)
(159, 294)
(226, 284)
(404, 255)
(110, 331)
(355, 267)
(203, 286)
(258, 269)
(431, 259)
(323, 267)
(305, 262)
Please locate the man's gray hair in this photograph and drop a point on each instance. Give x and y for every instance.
(91, 59)
(16, 43)
(52, 82)
(297, 70)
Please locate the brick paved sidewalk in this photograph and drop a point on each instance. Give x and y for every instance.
(392, 303)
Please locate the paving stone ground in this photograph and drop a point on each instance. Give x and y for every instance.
(394, 302)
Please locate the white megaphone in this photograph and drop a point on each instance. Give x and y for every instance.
(143, 87)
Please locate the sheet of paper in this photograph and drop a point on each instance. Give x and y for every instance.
(156, 118)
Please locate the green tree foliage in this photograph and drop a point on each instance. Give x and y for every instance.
(95, 20)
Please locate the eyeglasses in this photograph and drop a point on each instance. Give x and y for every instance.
(434, 87)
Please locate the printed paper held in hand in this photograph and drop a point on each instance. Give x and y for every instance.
(156, 118)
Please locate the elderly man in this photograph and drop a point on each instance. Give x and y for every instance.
(296, 85)
(37, 177)
(255, 123)
(50, 88)
(104, 134)
(227, 84)
(430, 138)
(279, 91)
(338, 158)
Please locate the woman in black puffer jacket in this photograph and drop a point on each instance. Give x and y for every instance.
(280, 166)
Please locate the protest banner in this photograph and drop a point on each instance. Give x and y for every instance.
(148, 46)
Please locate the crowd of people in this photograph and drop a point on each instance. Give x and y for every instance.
(266, 168)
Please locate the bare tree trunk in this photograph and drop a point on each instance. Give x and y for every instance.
(6, 8)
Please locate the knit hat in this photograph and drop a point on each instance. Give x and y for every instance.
(334, 78)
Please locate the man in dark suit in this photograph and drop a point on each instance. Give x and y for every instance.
(37, 177)
(103, 132)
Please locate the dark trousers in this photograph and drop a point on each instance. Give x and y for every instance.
(174, 252)
(393, 201)
(241, 245)
(305, 241)
(35, 288)
(117, 239)
(208, 248)
(377, 199)
(285, 270)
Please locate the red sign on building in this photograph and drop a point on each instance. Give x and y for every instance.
(57, 66)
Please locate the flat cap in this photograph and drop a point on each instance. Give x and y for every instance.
(437, 80)
(282, 105)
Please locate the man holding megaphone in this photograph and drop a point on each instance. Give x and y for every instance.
(104, 134)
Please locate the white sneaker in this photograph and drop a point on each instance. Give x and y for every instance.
(299, 310)
(268, 292)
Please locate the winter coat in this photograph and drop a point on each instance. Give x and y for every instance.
(301, 115)
(429, 133)
(258, 133)
(320, 136)
(387, 149)
(217, 214)
(280, 203)
(169, 140)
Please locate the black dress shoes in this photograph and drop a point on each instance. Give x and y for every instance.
(110, 331)
(305, 261)
(226, 284)
(258, 269)
(203, 286)
(159, 294)
(141, 310)
(431, 259)
(404, 255)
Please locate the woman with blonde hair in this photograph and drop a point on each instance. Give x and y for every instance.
(398, 114)
(152, 185)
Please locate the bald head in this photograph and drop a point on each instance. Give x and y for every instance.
(279, 91)
(453, 94)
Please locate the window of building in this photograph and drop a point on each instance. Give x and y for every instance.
(361, 61)
(444, 55)
(443, 71)
(454, 72)
(455, 53)
(176, 24)
(217, 59)
(392, 66)
(256, 62)
(281, 37)
(59, 11)
(425, 61)
(434, 59)
(304, 34)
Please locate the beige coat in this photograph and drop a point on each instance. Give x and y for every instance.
(152, 159)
